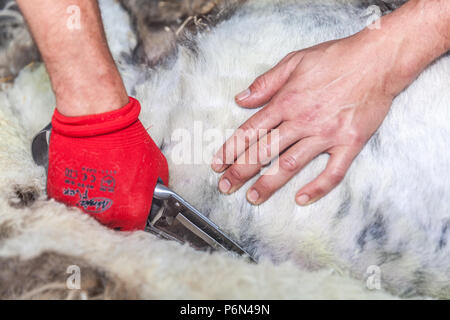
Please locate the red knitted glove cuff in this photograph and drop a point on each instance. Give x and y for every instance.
(107, 165)
(97, 124)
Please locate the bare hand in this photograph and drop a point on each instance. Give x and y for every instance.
(329, 98)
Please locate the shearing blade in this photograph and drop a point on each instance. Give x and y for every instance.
(179, 210)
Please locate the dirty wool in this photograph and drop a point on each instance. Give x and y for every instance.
(385, 228)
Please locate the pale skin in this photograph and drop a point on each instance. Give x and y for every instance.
(331, 98)
(83, 74)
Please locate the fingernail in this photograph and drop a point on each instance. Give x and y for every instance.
(224, 185)
(217, 164)
(253, 196)
(243, 95)
(303, 199)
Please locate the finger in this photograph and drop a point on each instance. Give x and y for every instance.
(267, 85)
(286, 167)
(236, 176)
(335, 171)
(251, 161)
(247, 134)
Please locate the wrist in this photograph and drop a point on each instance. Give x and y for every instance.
(409, 39)
(97, 124)
(85, 92)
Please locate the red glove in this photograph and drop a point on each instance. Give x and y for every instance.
(107, 165)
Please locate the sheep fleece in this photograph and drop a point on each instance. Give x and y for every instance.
(391, 213)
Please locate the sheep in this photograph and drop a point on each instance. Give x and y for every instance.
(389, 218)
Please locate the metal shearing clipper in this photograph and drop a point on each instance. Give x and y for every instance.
(171, 217)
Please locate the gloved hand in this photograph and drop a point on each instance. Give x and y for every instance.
(107, 165)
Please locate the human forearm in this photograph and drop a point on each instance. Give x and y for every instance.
(411, 38)
(83, 74)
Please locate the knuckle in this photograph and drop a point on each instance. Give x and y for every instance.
(335, 176)
(289, 56)
(354, 137)
(263, 186)
(259, 84)
(248, 127)
(235, 173)
(328, 131)
(288, 163)
(318, 192)
(288, 98)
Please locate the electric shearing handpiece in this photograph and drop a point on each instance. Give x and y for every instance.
(171, 217)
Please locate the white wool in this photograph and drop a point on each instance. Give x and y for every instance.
(390, 211)
(155, 268)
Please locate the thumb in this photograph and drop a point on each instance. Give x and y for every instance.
(267, 85)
